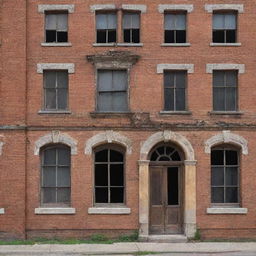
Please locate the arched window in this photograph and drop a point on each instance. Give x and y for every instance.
(224, 175)
(165, 153)
(55, 175)
(109, 176)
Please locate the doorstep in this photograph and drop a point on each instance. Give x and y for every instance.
(173, 238)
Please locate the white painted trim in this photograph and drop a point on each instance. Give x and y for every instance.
(173, 7)
(55, 66)
(55, 210)
(176, 44)
(135, 7)
(2, 211)
(109, 210)
(56, 44)
(225, 44)
(162, 67)
(56, 7)
(219, 210)
(224, 66)
(214, 7)
(98, 7)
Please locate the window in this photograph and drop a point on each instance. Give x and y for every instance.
(55, 175)
(175, 28)
(106, 26)
(55, 90)
(56, 27)
(224, 175)
(175, 90)
(224, 90)
(112, 91)
(224, 28)
(109, 176)
(131, 27)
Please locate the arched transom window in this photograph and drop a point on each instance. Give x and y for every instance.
(165, 153)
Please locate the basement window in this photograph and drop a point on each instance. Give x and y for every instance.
(131, 27)
(109, 176)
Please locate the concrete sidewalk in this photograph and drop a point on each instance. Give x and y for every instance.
(127, 248)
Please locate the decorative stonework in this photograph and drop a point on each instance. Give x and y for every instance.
(107, 137)
(102, 7)
(214, 7)
(167, 136)
(224, 66)
(162, 67)
(55, 66)
(173, 7)
(56, 137)
(226, 137)
(135, 7)
(56, 7)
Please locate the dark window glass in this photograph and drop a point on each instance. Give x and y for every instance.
(165, 153)
(173, 186)
(131, 27)
(55, 175)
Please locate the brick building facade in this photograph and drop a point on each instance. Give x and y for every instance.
(119, 116)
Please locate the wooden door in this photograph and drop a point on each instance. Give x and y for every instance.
(165, 200)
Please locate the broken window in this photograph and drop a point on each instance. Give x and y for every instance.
(55, 90)
(109, 176)
(224, 90)
(175, 90)
(106, 27)
(175, 28)
(56, 28)
(131, 27)
(224, 175)
(224, 28)
(55, 175)
(112, 91)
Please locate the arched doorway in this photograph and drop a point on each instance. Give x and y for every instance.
(166, 175)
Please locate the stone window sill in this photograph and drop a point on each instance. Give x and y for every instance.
(130, 44)
(235, 113)
(55, 210)
(176, 45)
(175, 113)
(2, 211)
(104, 44)
(56, 44)
(218, 210)
(54, 112)
(225, 44)
(109, 210)
(97, 114)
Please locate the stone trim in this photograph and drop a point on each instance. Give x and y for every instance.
(219, 210)
(2, 211)
(102, 7)
(190, 162)
(214, 7)
(56, 44)
(173, 7)
(135, 7)
(224, 66)
(56, 137)
(109, 210)
(226, 44)
(226, 137)
(162, 67)
(167, 136)
(55, 66)
(1, 147)
(56, 7)
(107, 137)
(176, 44)
(55, 210)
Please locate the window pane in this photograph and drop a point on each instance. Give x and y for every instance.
(217, 195)
(111, 36)
(101, 156)
(175, 156)
(180, 79)
(49, 156)
(169, 21)
(230, 99)
(169, 36)
(101, 36)
(127, 21)
(218, 78)
(218, 21)
(231, 78)
(62, 22)
(50, 36)
(219, 99)
(169, 79)
(127, 36)
(135, 36)
(119, 80)
(135, 20)
(50, 99)
(49, 177)
(116, 175)
(230, 36)
(168, 99)
(63, 195)
(49, 195)
(218, 36)
(116, 195)
(217, 157)
(231, 157)
(230, 21)
(63, 156)
(104, 102)
(62, 99)
(62, 37)
(119, 101)
(49, 79)
(111, 21)
(104, 80)
(217, 176)
(181, 22)
(101, 21)
(231, 195)
(62, 79)
(180, 99)
(63, 177)
(50, 22)
(101, 195)
(231, 176)
(101, 175)
(116, 156)
(173, 186)
(180, 36)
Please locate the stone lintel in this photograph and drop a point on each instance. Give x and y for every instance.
(216, 7)
(55, 66)
(165, 66)
(143, 162)
(102, 7)
(56, 7)
(225, 66)
(173, 7)
(135, 7)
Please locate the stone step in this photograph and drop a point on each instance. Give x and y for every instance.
(175, 238)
